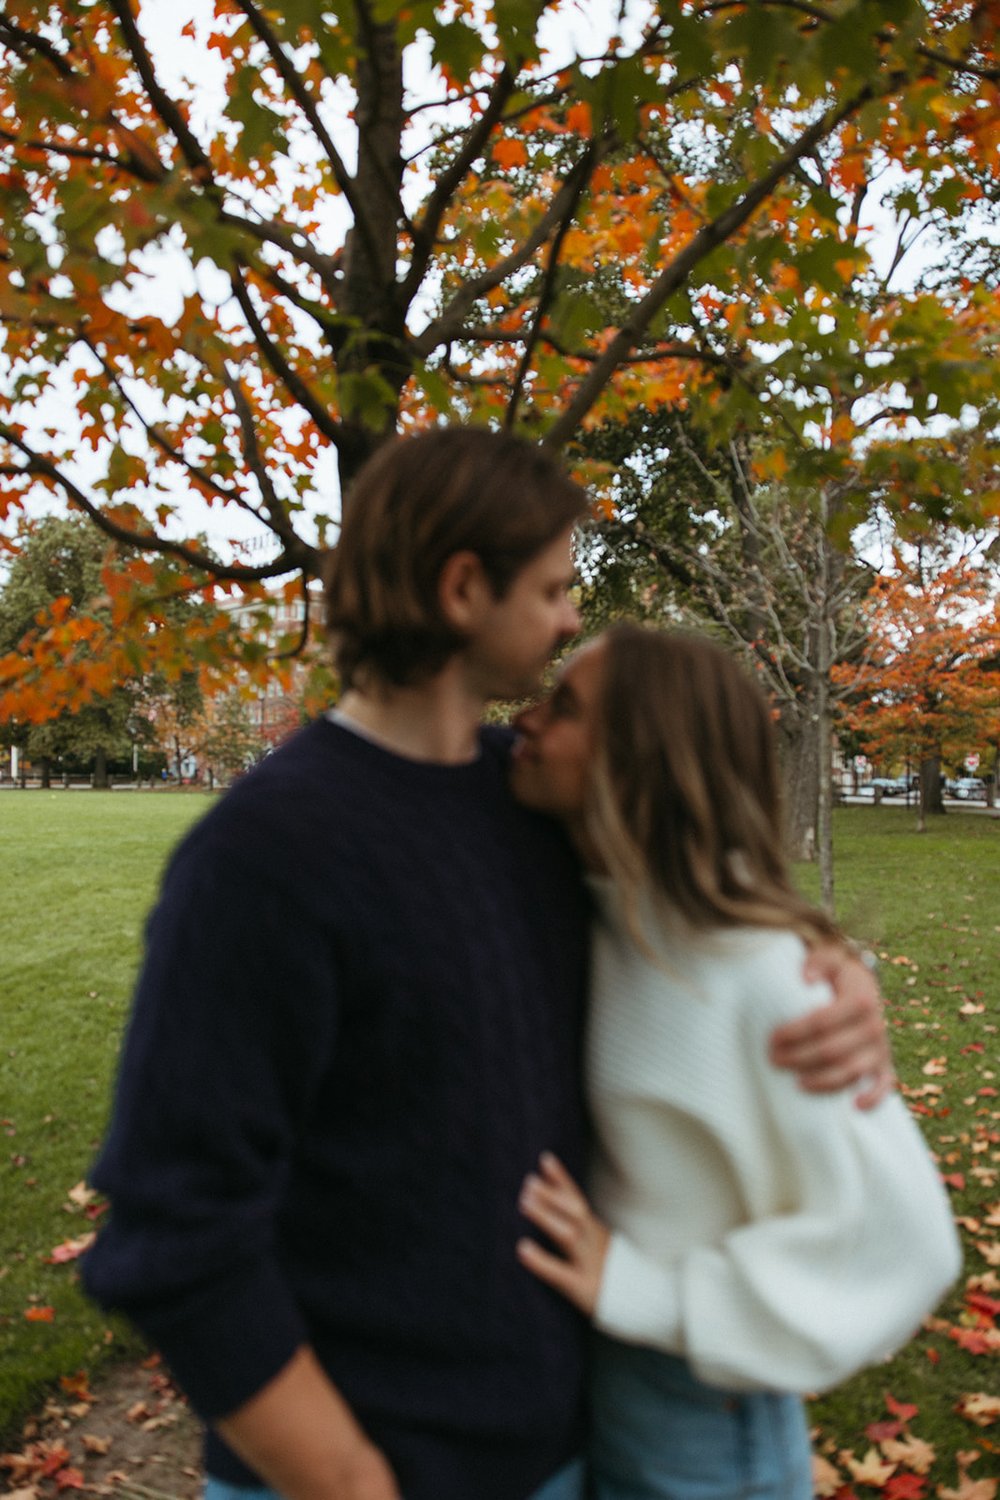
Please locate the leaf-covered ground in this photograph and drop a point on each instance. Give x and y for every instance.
(83, 868)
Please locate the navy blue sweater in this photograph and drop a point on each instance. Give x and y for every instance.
(356, 1027)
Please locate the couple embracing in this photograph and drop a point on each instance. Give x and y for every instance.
(358, 1104)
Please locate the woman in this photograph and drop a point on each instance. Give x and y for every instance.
(749, 1241)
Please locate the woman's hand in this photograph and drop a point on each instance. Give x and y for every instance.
(844, 1042)
(556, 1206)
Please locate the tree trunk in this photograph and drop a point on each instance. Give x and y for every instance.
(800, 767)
(931, 799)
(101, 767)
(46, 771)
(823, 657)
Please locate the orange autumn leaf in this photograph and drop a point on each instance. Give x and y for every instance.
(509, 153)
(39, 1314)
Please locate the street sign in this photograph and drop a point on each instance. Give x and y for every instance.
(972, 762)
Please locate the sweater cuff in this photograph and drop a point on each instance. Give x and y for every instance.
(639, 1299)
(229, 1338)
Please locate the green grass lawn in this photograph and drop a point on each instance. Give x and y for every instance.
(80, 872)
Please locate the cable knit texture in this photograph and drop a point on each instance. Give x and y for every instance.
(356, 1027)
(776, 1239)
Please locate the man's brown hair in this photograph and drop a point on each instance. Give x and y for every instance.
(414, 504)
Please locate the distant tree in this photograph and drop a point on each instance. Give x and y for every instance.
(56, 577)
(230, 740)
(60, 615)
(928, 685)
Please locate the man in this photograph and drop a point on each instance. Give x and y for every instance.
(357, 1026)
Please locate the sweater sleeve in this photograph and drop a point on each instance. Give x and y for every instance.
(849, 1243)
(232, 1023)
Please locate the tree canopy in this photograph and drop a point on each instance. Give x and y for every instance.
(237, 284)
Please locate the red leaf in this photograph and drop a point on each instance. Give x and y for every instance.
(905, 1487)
(877, 1432)
(900, 1409)
(68, 1479)
(954, 1180)
(40, 1314)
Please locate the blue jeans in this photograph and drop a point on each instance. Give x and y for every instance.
(660, 1433)
(566, 1485)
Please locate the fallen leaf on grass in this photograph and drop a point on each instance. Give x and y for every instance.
(71, 1249)
(911, 1451)
(978, 1407)
(970, 1489)
(871, 1469)
(989, 1252)
(954, 1180)
(877, 1432)
(904, 1410)
(976, 1340)
(68, 1479)
(40, 1314)
(81, 1195)
(905, 1487)
(94, 1444)
(979, 1302)
(827, 1479)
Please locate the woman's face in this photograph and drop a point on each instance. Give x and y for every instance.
(558, 738)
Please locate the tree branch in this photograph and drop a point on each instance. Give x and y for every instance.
(426, 230)
(165, 107)
(303, 558)
(277, 515)
(300, 93)
(297, 387)
(582, 172)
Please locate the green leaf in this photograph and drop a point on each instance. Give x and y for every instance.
(575, 317)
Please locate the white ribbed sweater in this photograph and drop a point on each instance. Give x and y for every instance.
(776, 1239)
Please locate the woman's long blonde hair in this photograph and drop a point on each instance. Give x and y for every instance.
(685, 803)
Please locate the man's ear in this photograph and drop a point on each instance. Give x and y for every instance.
(464, 591)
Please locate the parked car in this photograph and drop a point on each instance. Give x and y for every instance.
(891, 786)
(970, 789)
